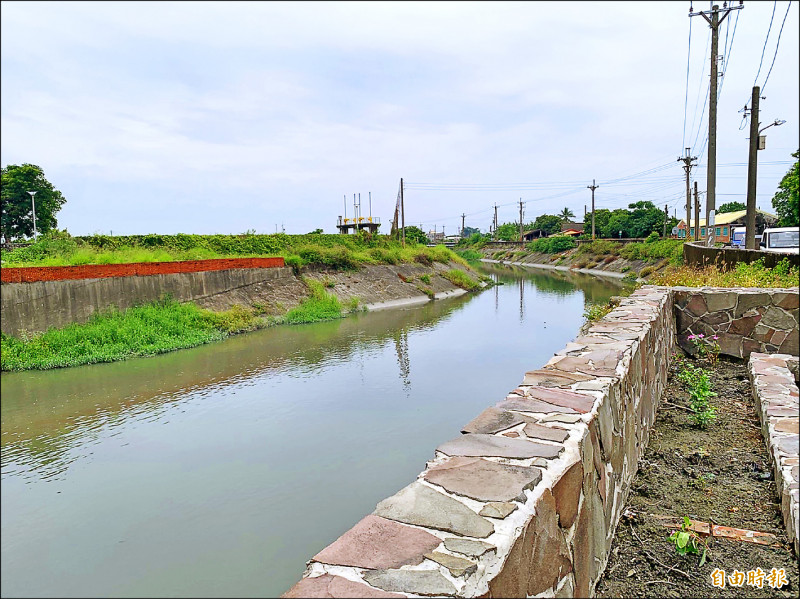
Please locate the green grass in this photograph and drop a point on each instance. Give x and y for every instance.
(320, 305)
(340, 252)
(743, 275)
(461, 279)
(112, 335)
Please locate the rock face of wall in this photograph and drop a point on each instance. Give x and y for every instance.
(774, 381)
(526, 500)
(745, 320)
(35, 307)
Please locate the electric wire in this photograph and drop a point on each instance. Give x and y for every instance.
(686, 96)
(774, 6)
(763, 87)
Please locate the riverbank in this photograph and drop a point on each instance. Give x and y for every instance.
(312, 294)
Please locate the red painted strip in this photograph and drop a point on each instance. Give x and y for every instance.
(31, 274)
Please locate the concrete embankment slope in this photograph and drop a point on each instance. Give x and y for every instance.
(35, 306)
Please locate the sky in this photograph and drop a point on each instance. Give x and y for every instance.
(212, 117)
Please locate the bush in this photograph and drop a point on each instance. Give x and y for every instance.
(646, 271)
(600, 247)
(552, 245)
(652, 237)
(461, 279)
(320, 305)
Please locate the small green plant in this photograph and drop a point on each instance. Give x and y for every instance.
(352, 304)
(687, 541)
(646, 271)
(461, 279)
(425, 279)
(328, 282)
(707, 347)
(630, 278)
(625, 269)
(698, 383)
(653, 237)
(594, 312)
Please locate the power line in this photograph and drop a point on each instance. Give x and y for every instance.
(774, 6)
(763, 87)
(686, 96)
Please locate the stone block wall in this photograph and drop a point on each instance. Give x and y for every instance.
(525, 502)
(774, 379)
(745, 320)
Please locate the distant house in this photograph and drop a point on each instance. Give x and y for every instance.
(572, 229)
(725, 221)
(533, 234)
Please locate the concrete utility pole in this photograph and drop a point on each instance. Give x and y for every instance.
(752, 169)
(33, 208)
(462, 223)
(697, 214)
(520, 220)
(687, 166)
(666, 218)
(403, 211)
(495, 220)
(592, 187)
(716, 19)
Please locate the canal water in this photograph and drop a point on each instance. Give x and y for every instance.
(219, 470)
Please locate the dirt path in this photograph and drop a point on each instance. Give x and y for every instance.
(722, 474)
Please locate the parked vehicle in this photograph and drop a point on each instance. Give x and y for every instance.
(781, 239)
(737, 236)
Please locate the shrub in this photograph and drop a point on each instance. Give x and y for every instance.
(552, 245)
(652, 237)
(320, 305)
(609, 259)
(461, 279)
(425, 279)
(646, 271)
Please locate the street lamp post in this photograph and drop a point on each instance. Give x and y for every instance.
(33, 204)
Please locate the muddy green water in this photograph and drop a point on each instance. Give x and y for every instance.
(219, 470)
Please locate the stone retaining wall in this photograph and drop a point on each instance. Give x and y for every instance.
(35, 307)
(526, 500)
(698, 255)
(776, 398)
(745, 320)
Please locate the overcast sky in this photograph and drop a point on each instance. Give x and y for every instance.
(211, 117)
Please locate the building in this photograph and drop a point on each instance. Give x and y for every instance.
(725, 221)
(371, 223)
(572, 229)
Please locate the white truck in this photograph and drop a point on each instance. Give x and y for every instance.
(785, 240)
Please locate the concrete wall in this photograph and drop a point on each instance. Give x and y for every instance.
(696, 254)
(745, 320)
(526, 500)
(35, 307)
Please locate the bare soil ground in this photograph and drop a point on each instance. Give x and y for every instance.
(722, 474)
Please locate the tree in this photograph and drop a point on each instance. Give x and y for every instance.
(470, 231)
(16, 214)
(508, 232)
(315, 232)
(415, 235)
(566, 214)
(785, 201)
(731, 207)
(644, 219)
(549, 223)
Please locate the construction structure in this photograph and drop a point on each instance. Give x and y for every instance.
(358, 222)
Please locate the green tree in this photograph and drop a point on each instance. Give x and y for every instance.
(315, 232)
(619, 220)
(416, 235)
(549, 223)
(731, 207)
(645, 218)
(566, 215)
(508, 232)
(601, 218)
(470, 231)
(785, 201)
(16, 214)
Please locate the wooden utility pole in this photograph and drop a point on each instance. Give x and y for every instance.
(592, 187)
(752, 168)
(687, 166)
(403, 211)
(462, 223)
(717, 16)
(520, 220)
(697, 214)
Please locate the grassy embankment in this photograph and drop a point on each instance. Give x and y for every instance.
(166, 325)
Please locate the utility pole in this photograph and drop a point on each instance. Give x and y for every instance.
(592, 187)
(666, 218)
(752, 167)
(711, 177)
(697, 214)
(403, 211)
(462, 223)
(687, 166)
(520, 220)
(370, 206)
(495, 220)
